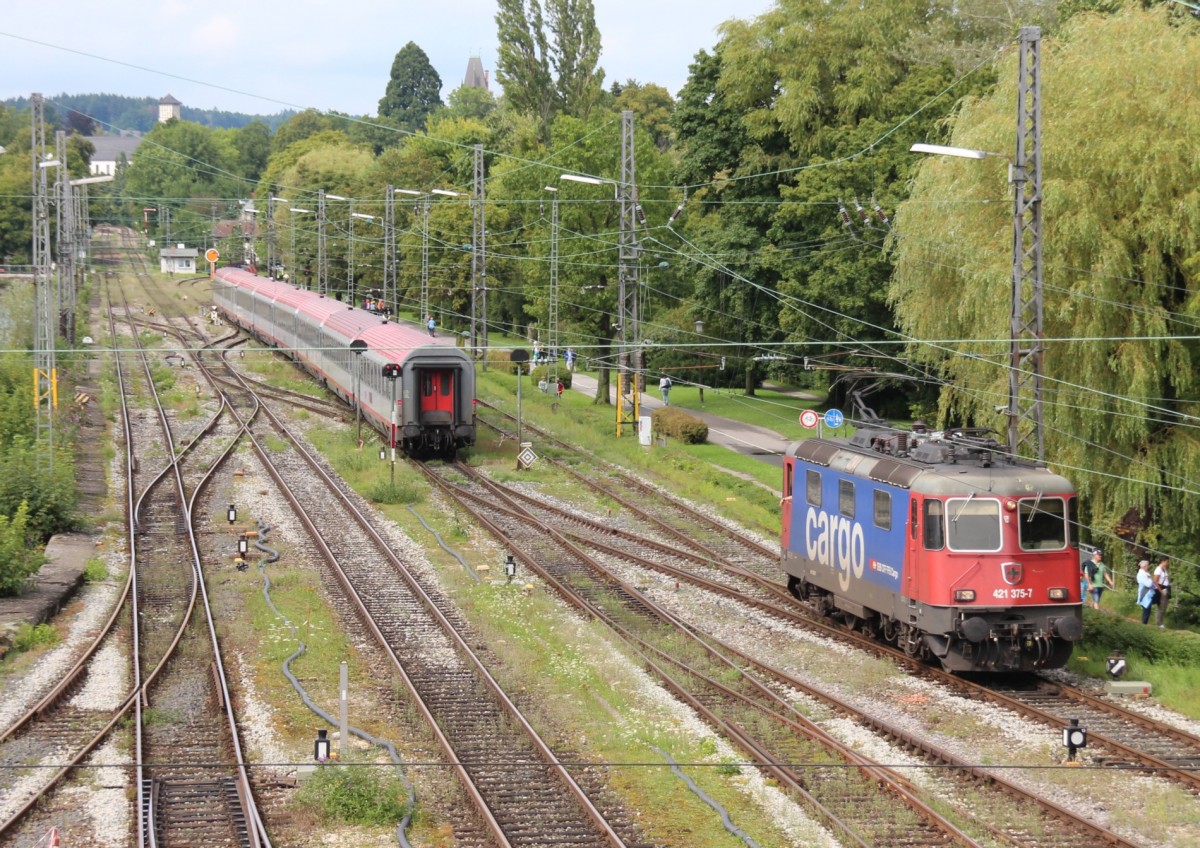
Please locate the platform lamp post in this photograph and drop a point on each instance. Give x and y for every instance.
(391, 371)
(358, 347)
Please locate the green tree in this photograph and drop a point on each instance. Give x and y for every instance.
(414, 89)
(651, 106)
(253, 144)
(548, 58)
(468, 101)
(180, 159)
(811, 104)
(1121, 267)
(300, 126)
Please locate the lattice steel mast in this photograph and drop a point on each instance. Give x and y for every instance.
(478, 262)
(1025, 431)
(627, 296)
(44, 373)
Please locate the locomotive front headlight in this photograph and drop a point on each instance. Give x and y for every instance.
(1058, 594)
(964, 595)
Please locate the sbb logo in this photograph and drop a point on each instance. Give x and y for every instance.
(835, 542)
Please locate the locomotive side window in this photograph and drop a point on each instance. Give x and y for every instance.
(1042, 524)
(935, 538)
(883, 509)
(812, 487)
(974, 524)
(913, 518)
(846, 498)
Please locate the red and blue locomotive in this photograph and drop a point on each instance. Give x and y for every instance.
(417, 390)
(938, 543)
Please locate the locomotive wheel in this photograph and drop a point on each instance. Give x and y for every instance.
(850, 621)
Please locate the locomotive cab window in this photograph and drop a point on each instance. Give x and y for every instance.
(812, 487)
(883, 509)
(846, 498)
(1042, 524)
(973, 524)
(935, 538)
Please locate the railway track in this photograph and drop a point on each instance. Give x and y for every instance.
(837, 785)
(735, 581)
(1128, 738)
(520, 791)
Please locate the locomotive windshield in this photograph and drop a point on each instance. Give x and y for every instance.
(1043, 524)
(973, 525)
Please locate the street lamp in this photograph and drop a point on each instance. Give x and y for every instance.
(580, 178)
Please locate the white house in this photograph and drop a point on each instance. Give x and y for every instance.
(177, 259)
(110, 150)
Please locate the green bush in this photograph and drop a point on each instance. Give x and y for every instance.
(32, 636)
(679, 424)
(355, 794)
(18, 557)
(1104, 634)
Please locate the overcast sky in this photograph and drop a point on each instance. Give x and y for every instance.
(263, 56)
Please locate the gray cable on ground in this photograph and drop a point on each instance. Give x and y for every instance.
(401, 829)
(729, 825)
(445, 547)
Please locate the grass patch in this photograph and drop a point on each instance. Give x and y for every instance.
(364, 795)
(95, 571)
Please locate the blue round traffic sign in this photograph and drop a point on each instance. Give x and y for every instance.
(834, 418)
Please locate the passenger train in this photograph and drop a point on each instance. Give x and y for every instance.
(417, 390)
(939, 543)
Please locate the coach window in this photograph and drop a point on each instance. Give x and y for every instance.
(812, 487)
(846, 498)
(883, 509)
(974, 524)
(935, 538)
(1043, 524)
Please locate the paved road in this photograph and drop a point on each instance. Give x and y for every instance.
(747, 439)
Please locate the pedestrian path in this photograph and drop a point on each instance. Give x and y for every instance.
(748, 439)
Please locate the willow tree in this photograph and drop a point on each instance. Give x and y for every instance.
(1121, 227)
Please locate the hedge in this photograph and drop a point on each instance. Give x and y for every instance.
(679, 424)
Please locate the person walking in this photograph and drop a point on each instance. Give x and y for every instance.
(1146, 590)
(430, 325)
(569, 358)
(664, 386)
(1162, 578)
(1101, 578)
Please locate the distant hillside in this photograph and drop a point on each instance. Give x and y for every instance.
(114, 112)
